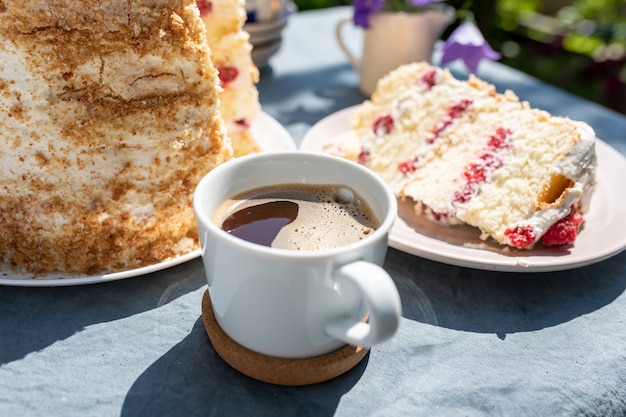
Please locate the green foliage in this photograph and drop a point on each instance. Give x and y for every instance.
(320, 4)
(509, 12)
(578, 45)
(602, 11)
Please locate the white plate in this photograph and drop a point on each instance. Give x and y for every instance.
(600, 237)
(270, 135)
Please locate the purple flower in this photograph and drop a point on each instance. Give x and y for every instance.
(422, 3)
(363, 9)
(467, 44)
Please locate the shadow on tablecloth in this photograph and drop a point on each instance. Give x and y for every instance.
(327, 92)
(56, 313)
(192, 380)
(498, 302)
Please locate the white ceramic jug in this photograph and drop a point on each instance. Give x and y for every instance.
(394, 39)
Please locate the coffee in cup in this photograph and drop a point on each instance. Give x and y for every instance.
(298, 216)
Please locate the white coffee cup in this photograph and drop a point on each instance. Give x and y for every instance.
(290, 303)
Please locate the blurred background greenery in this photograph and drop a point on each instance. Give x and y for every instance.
(577, 45)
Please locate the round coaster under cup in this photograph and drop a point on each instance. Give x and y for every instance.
(279, 371)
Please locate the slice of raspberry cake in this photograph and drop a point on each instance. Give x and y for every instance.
(230, 46)
(468, 155)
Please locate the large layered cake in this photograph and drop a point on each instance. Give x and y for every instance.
(465, 154)
(109, 115)
(231, 54)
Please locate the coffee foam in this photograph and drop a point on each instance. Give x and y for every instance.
(329, 216)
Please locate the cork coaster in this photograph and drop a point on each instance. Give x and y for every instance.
(280, 371)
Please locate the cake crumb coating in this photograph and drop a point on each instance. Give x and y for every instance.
(110, 118)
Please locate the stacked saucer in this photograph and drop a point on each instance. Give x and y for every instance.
(265, 23)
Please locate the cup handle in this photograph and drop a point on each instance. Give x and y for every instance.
(382, 303)
(356, 63)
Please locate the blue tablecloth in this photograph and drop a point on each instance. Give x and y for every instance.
(471, 342)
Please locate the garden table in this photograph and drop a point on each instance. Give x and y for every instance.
(472, 341)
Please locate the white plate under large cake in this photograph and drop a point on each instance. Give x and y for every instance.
(270, 135)
(461, 245)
